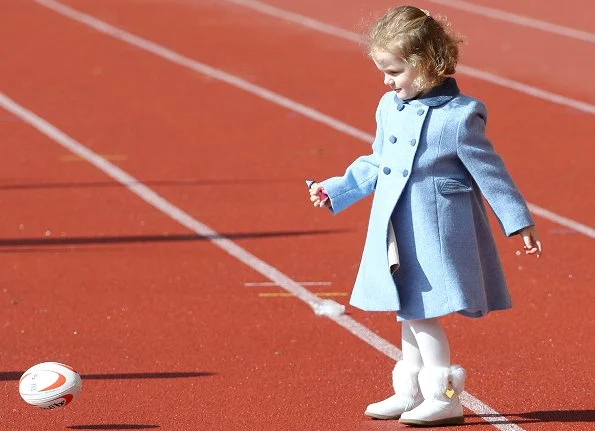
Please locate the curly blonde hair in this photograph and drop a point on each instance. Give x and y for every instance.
(424, 42)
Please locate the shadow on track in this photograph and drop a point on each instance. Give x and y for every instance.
(112, 427)
(158, 183)
(16, 375)
(33, 243)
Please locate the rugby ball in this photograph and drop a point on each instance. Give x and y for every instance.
(49, 385)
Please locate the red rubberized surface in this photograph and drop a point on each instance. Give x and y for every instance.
(159, 322)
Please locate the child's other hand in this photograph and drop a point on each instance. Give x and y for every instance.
(318, 197)
(532, 245)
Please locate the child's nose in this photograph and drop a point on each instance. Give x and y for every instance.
(388, 81)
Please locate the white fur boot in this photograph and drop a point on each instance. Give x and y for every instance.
(407, 394)
(441, 388)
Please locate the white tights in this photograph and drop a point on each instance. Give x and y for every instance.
(425, 343)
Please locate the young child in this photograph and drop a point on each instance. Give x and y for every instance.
(430, 165)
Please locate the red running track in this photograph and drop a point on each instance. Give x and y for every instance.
(159, 322)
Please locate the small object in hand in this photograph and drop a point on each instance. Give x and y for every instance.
(321, 194)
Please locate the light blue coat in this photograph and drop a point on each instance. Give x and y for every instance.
(430, 164)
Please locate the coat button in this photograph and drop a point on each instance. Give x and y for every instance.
(386, 171)
(412, 142)
(400, 107)
(405, 172)
(420, 112)
(392, 139)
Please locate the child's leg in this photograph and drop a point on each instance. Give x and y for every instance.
(405, 383)
(409, 346)
(440, 383)
(431, 341)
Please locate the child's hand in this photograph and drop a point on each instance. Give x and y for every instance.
(318, 197)
(531, 241)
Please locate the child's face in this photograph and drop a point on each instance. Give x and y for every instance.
(398, 75)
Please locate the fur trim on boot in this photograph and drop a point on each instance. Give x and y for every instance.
(441, 388)
(407, 394)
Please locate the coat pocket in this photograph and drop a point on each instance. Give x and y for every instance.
(449, 186)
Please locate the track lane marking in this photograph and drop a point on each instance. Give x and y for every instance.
(186, 220)
(454, 4)
(521, 20)
(291, 295)
(492, 78)
(301, 283)
(152, 198)
(261, 92)
(74, 158)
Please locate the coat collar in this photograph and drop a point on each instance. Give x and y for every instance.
(445, 92)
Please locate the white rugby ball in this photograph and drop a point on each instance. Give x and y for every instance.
(49, 385)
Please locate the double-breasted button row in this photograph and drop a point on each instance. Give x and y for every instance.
(400, 107)
(420, 112)
(393, 139)
(387, 171)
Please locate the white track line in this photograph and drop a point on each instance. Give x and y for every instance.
(263, 93)
(301, 283)
(465, 70)
(186, 220)
(244, 256)
(518, 19)
(546, 214)
(455, 4)
(204, 69)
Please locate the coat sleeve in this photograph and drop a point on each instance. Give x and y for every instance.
(360, 177)
(488, 171)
